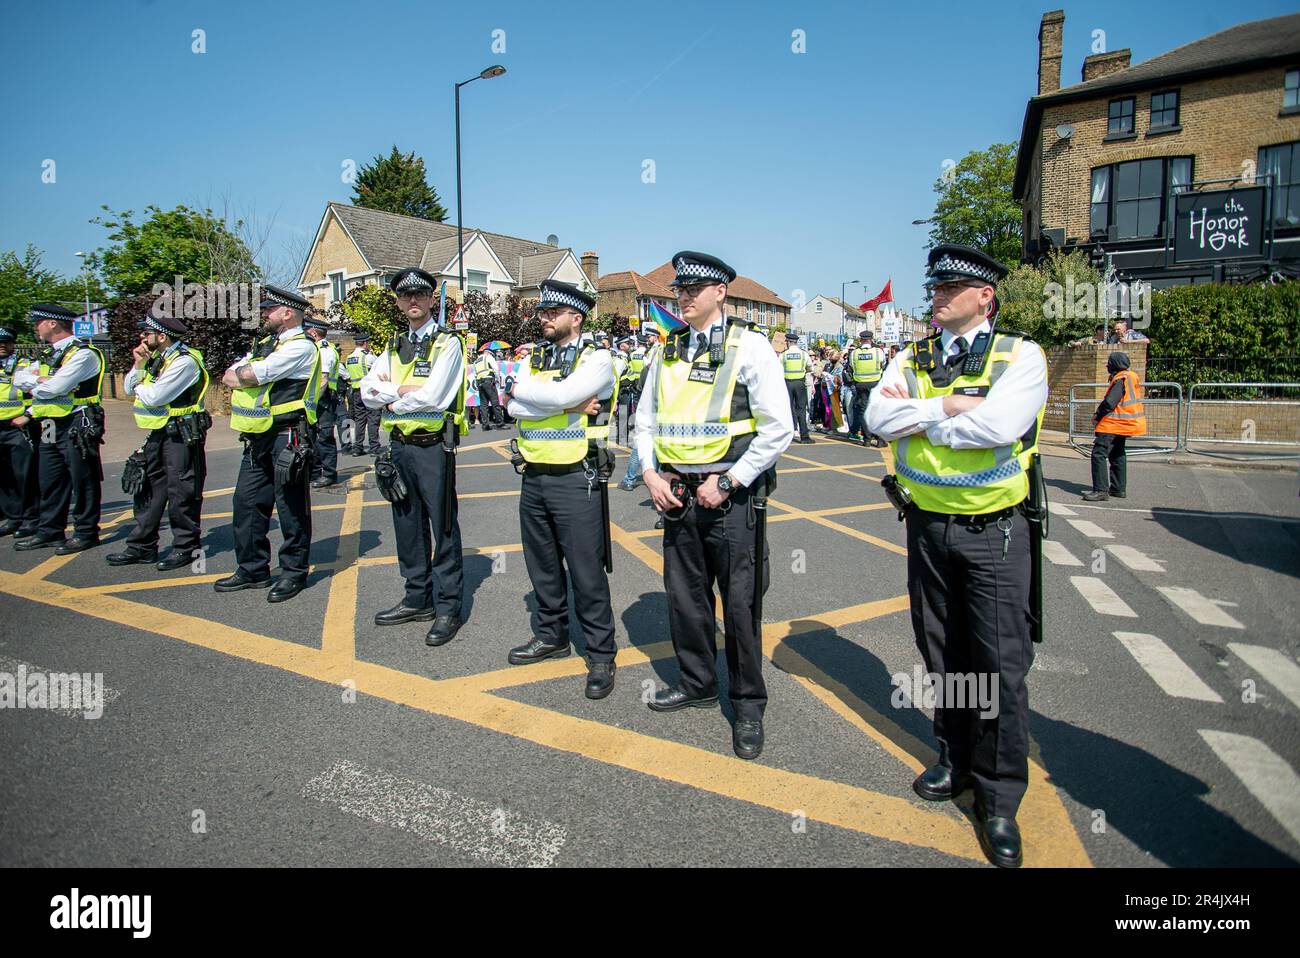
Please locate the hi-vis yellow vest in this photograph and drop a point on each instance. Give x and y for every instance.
(256, 409)
(564, 438)
(413, 372)
(85, 393)
(794, 363)
(12, 400)
(635, 363)
(483, 367)
(355, 368)
(966, 481)
(701, 409)
(332, 382)
(190, 399)
(866, 365)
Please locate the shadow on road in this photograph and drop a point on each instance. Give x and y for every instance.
(1252, 538)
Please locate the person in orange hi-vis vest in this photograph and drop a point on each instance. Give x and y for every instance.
(1119, 415)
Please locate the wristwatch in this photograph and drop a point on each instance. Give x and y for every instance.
(726, 483)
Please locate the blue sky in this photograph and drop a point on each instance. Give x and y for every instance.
(801, 170)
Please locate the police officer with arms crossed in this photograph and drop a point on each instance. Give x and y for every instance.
(276, 389)
(168, 382)
(563, 401)
(962, 411)
(65, 388)
(358, 363)
(712, 421)
(325, 468)
(20, 496)
(865, 363)
(418, 383)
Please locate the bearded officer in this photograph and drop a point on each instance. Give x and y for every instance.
(276, 389)
(20, 494)
(418, 384)
(563, 405)
(325, 468)
(962, 410)
(713, 418)
(168, 382)
(68, 422)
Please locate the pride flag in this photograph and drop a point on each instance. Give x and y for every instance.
(667, 322)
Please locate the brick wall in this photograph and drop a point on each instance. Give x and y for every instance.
(1070, 365)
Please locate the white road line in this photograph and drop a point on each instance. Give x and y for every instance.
(1203, 610)
(1164, 666)
(1135, 559)
(1090, 529)
(468, 825)
(1191, 513)
(1101, 597)
(1056, 509)
(1058, 554)
(1265, 774)
(1279, 671)
(70, 694)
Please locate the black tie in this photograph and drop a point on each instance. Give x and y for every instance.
(959, 356)
(701, 346)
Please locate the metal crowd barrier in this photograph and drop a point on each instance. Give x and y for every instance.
(1164, 419)
(1249, 446)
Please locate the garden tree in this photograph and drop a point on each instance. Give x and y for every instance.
(1053, 315)
(24, 281)
(221, 341)
(369, 309)
(975, 206)
(396, 184)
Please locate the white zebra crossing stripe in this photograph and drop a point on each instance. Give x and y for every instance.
(1164, 666)
(1090, 529)
(435, 814)
(1277, 669)
(1203, 610)
(1058, 554)
(1101, 597)
(1265, 774)
(1056, 509)
(1136, 560)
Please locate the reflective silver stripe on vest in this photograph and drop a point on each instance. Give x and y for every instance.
(150, 410)
(422, 416)
(12, 404)
(686, 430)
(996, 474)
(252, 412)
(553, 435)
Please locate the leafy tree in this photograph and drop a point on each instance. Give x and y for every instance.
(370, 309)
(221, 340)
(1058, 302)
(24, 281)
(397, 184)
(975, 206)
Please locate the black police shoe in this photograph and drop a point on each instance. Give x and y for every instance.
(286, 587)
(26, 532)
(38, 542)
(939, 783)
(358, 451)
(659, 523)
(1094, 497)
(1000, 839)
(131, 557)
(1118, 495)
(672, 698)
(177, 559)
(403, 613)
(77, 544)
(747, 739)
(9, 527)
(233, 583)
(600, 679)
(536, 650)
(322, 482)
(444, 629)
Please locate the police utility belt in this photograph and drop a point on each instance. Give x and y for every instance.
(419, 437)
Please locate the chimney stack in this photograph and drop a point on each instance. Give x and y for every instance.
(1049, 52)
(591, 266)
(1104, 64)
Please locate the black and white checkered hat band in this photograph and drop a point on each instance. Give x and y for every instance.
(951, 264)
(6, 334)
(153, 324)
(700, 271)
(412, 281)
(274, 297)
(557, 297)
(47, 314)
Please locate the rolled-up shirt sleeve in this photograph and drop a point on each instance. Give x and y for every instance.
(175, 379)
(593, 377)
(293, 360)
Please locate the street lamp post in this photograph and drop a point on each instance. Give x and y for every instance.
(488, 74)
(852, 282)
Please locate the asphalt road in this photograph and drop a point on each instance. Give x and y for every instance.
(1166, 725)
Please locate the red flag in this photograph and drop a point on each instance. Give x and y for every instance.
(886, 296)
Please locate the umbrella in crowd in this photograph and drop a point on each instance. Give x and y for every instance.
(494, 345)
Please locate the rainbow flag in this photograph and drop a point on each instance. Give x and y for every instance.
(667, 322)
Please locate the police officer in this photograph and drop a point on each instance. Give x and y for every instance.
(277, 388)
(962, 411)
(364, 419)
(65, 388)
(794, 365)
(325, 466)
(20, 494)
(418, 384)
(168, 382)
(563, 404)
(865, 364)
(485, 377)
(638, 362)
(713, 419)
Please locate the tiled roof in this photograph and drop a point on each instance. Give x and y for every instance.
(438, 253)
(535, 268)
(742, 287)
(848, 310)
(630, 279)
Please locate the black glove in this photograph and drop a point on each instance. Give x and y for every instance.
(134, 473)
(388, 479)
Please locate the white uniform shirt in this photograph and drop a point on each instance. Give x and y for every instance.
(290, 361)
(436, 394)
(329, 358)
(760, 372)
(1011, 406)
(80, 366)
(174, 380)
(536, 398)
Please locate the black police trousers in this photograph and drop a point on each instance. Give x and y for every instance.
(798, 404)
(1109, 463)
(326, 463)
(68, 481)
(561, 523)
(428, 547)
(20, 492)
(489, 404)
(364, 420)
(970, 615)
(704, 548)
(174, 484)
(256, 495)
(858, 421)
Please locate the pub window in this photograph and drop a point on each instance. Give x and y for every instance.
(1129, 196)
(1291, 90)
(1164, 109)
(1120, 117)
(1283, 162)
